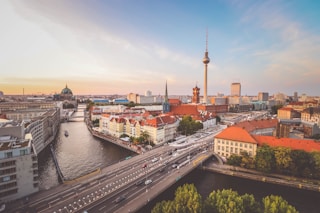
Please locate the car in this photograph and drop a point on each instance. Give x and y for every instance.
(162, 169)
(144, 166)
(139, 182)
(174, 165)
(154, 160)
(147, 182)
(120, 198)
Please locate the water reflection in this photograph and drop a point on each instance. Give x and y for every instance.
(77, 154)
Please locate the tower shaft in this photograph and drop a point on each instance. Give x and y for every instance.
(206, 61)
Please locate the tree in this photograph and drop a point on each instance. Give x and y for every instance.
(234, 160)
(316, 164)
(283, 159)
(224, 201)
(301, 163)
(276, 204)
(250, 204)
(89, 105)
(164, 207)
(264, 159)
(189, 126)
(95, 122)
(187, 199)
(274, 109)
(247, 161)
(145, 137)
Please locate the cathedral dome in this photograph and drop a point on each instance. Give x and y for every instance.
(66, 91)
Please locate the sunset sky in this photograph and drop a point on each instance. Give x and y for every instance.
(124, 46)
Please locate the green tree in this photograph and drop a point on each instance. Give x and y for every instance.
(264, 159)
(247, 161)
(316, 165)
(189, 126)
(301, 163)
(95, 122)
(250, 204)
(187, 199)
(234, 160)
(274, 109)
(89, 105)
(283, 159)
(164, 207)
(224, 201)
(145, 137)
(276, 204)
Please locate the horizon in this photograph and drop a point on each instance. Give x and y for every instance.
(108, 47)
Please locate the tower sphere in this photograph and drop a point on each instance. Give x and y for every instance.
(206, 59)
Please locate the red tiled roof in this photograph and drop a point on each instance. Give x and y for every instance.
(160, 121)
(236, 134)
(293, 143)
(184, 109)
(286, 109)
(258, 124)
(174, 101)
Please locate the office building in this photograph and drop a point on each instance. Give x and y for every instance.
(236, 89)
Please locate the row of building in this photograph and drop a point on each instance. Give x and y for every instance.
(27, 127)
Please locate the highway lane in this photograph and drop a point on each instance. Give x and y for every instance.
(117, 179)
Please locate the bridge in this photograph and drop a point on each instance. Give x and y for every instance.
(98, 193)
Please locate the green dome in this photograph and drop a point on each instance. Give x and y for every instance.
(66, 91)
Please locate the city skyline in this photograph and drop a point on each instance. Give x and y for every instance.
(118, 47)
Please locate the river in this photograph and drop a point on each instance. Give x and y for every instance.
(81, 153)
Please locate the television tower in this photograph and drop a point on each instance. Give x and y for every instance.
(206, 61)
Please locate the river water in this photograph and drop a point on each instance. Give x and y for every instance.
(81, 153)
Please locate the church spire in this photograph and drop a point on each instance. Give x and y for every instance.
(166, 99)
(166, 105)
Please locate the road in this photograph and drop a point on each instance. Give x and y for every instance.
(100, 192)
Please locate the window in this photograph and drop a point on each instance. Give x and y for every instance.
(227, 142)
(240, 144)
(231, 149)
(236, 150)
(227, 149)
(245, 145)
(218, 147)
(231, 143)
(5, 179)
(8, 154)
(23, 152)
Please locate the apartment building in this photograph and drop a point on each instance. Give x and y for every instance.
(18, 162)
(312, 115)
(234, 140)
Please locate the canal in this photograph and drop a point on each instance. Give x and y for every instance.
(81, 153)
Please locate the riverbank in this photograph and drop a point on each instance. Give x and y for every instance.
(300, 183)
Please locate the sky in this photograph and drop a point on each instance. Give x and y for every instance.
(131, 46)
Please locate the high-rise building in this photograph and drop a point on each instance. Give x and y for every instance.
(196, 97)
(206, 61)
(18, 162)
(263, 96)
(295, 96)
(236, 89)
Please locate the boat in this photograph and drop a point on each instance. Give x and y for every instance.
(66, 133)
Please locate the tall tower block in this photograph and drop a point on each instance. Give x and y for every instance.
(206, 61)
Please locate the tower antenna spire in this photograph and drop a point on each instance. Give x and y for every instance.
(207, 39)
